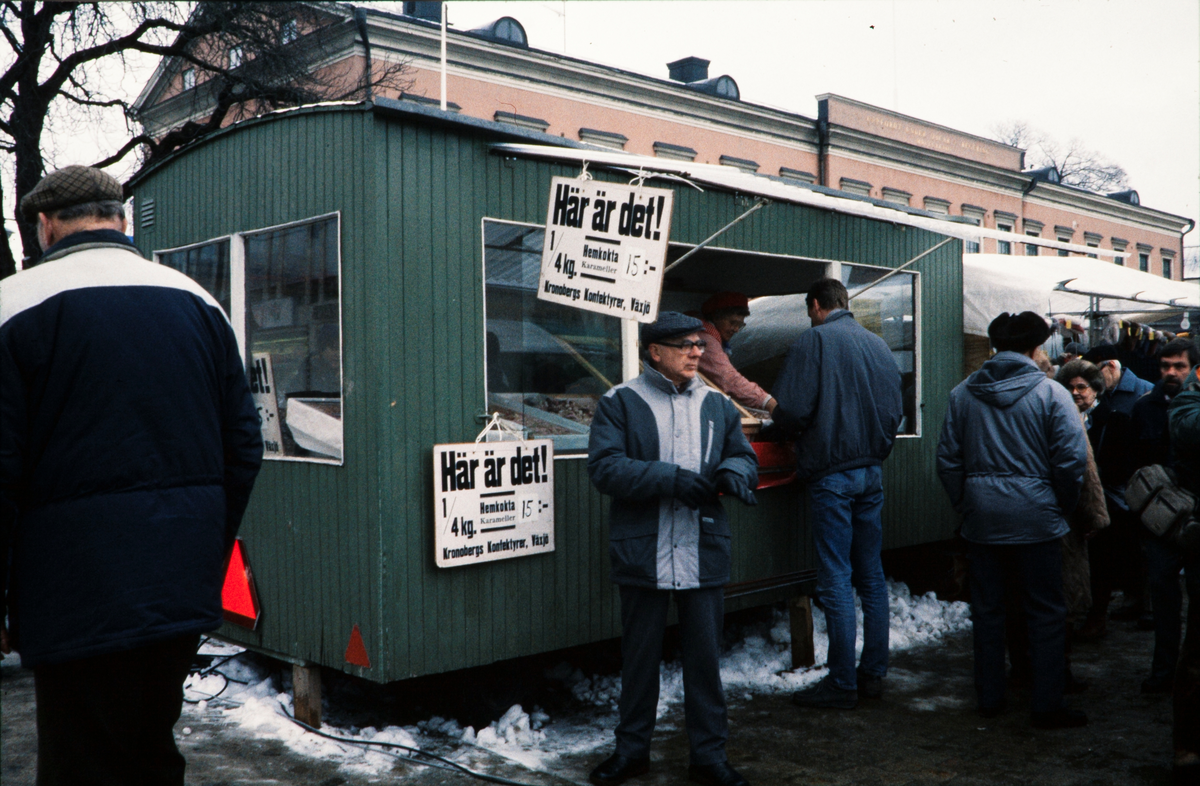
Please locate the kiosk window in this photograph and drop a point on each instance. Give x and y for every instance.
(207, 264)
(547, 364)
(889, 311)
(288, 322)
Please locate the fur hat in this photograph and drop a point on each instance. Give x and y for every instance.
(70, 186)
(1101, 353)
(1018, 332)
(669, 325)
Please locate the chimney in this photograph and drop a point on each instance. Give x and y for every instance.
(429, 10)
(689, 69)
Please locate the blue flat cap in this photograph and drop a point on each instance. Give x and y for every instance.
(669, 325)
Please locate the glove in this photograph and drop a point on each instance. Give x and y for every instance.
(731, 483)
(692, 489)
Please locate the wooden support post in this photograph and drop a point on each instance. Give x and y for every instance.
(306, 694)
(800, 612)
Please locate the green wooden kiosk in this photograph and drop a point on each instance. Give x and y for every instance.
(379, 264)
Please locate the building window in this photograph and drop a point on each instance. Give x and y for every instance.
(1003, 246)
(1064, 235)
(288, 322)
(857, 187)
(1144, 263)
(742, 164)
(1031, 249)
(896, 196)
(235, 57)
(289, 32)
(939, 206)
(521, 121)
(603, 138)
(189, 78)
(1119, 245)
(547, 364)
(974, 214)
(1093, 241)
(674, 152)
(1166, 268)
(797, 175)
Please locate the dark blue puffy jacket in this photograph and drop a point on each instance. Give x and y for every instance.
(129, 443)
(1012, 453)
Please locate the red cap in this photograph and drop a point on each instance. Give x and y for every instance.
(724, 300)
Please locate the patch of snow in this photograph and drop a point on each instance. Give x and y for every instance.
(758, 663)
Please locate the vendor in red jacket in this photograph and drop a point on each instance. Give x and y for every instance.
(724, 314)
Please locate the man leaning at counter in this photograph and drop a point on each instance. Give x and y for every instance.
(723, 315)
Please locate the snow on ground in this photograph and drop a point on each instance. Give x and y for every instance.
(757, 663)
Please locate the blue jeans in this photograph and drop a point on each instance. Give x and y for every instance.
(848, 533)
(1037, 569)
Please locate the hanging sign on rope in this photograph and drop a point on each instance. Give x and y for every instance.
(606, 246)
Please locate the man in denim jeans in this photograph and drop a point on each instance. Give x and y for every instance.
(839, 392)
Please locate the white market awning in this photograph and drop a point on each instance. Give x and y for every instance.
(994, 283)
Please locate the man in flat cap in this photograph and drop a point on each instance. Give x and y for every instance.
(724, 316)
(663, 446)
(129, 444)
(1012, 456)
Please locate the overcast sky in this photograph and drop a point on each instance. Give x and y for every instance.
(1123, 76)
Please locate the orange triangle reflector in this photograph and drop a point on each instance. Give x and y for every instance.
(356, 651)
(239, 598)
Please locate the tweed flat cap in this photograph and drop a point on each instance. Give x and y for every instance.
(1018, 332)
(69, 186)
(669, 325)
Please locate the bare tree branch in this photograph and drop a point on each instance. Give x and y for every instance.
(1077, 165)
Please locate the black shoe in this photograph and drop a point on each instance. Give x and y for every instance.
(1073, 684)
(1062, 718)
(995, 711)
(869, 686)
(826, 695)
(719, 774)
(618, 769)
(1158, 683)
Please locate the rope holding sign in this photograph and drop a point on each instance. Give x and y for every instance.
(639, 178)
(505, 430)
(584, 174)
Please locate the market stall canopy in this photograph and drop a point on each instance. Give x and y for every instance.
(994, 283)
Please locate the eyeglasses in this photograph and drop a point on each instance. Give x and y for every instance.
(1080, 388)
(686, 346)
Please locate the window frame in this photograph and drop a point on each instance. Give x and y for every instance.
(237, 304)
(630, 354)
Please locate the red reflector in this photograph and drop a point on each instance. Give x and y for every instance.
(239, 598)
(356, 651)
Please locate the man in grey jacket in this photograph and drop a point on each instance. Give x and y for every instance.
(1012, 456)
(839, 391)
(662, 446)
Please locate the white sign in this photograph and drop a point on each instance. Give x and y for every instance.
(605, 248)
(492, 500)
(262, 388)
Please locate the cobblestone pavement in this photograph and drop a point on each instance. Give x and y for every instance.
(923, 731)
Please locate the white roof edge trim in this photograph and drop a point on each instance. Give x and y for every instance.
(728, 177)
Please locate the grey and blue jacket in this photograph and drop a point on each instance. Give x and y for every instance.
(1012, 453)
(129, 443)
(643, 432)
(840, 389)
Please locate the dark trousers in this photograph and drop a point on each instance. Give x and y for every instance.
(1187, 673)
(643, 622)
(109, 720)
(1037, 569)
(1163, 563)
